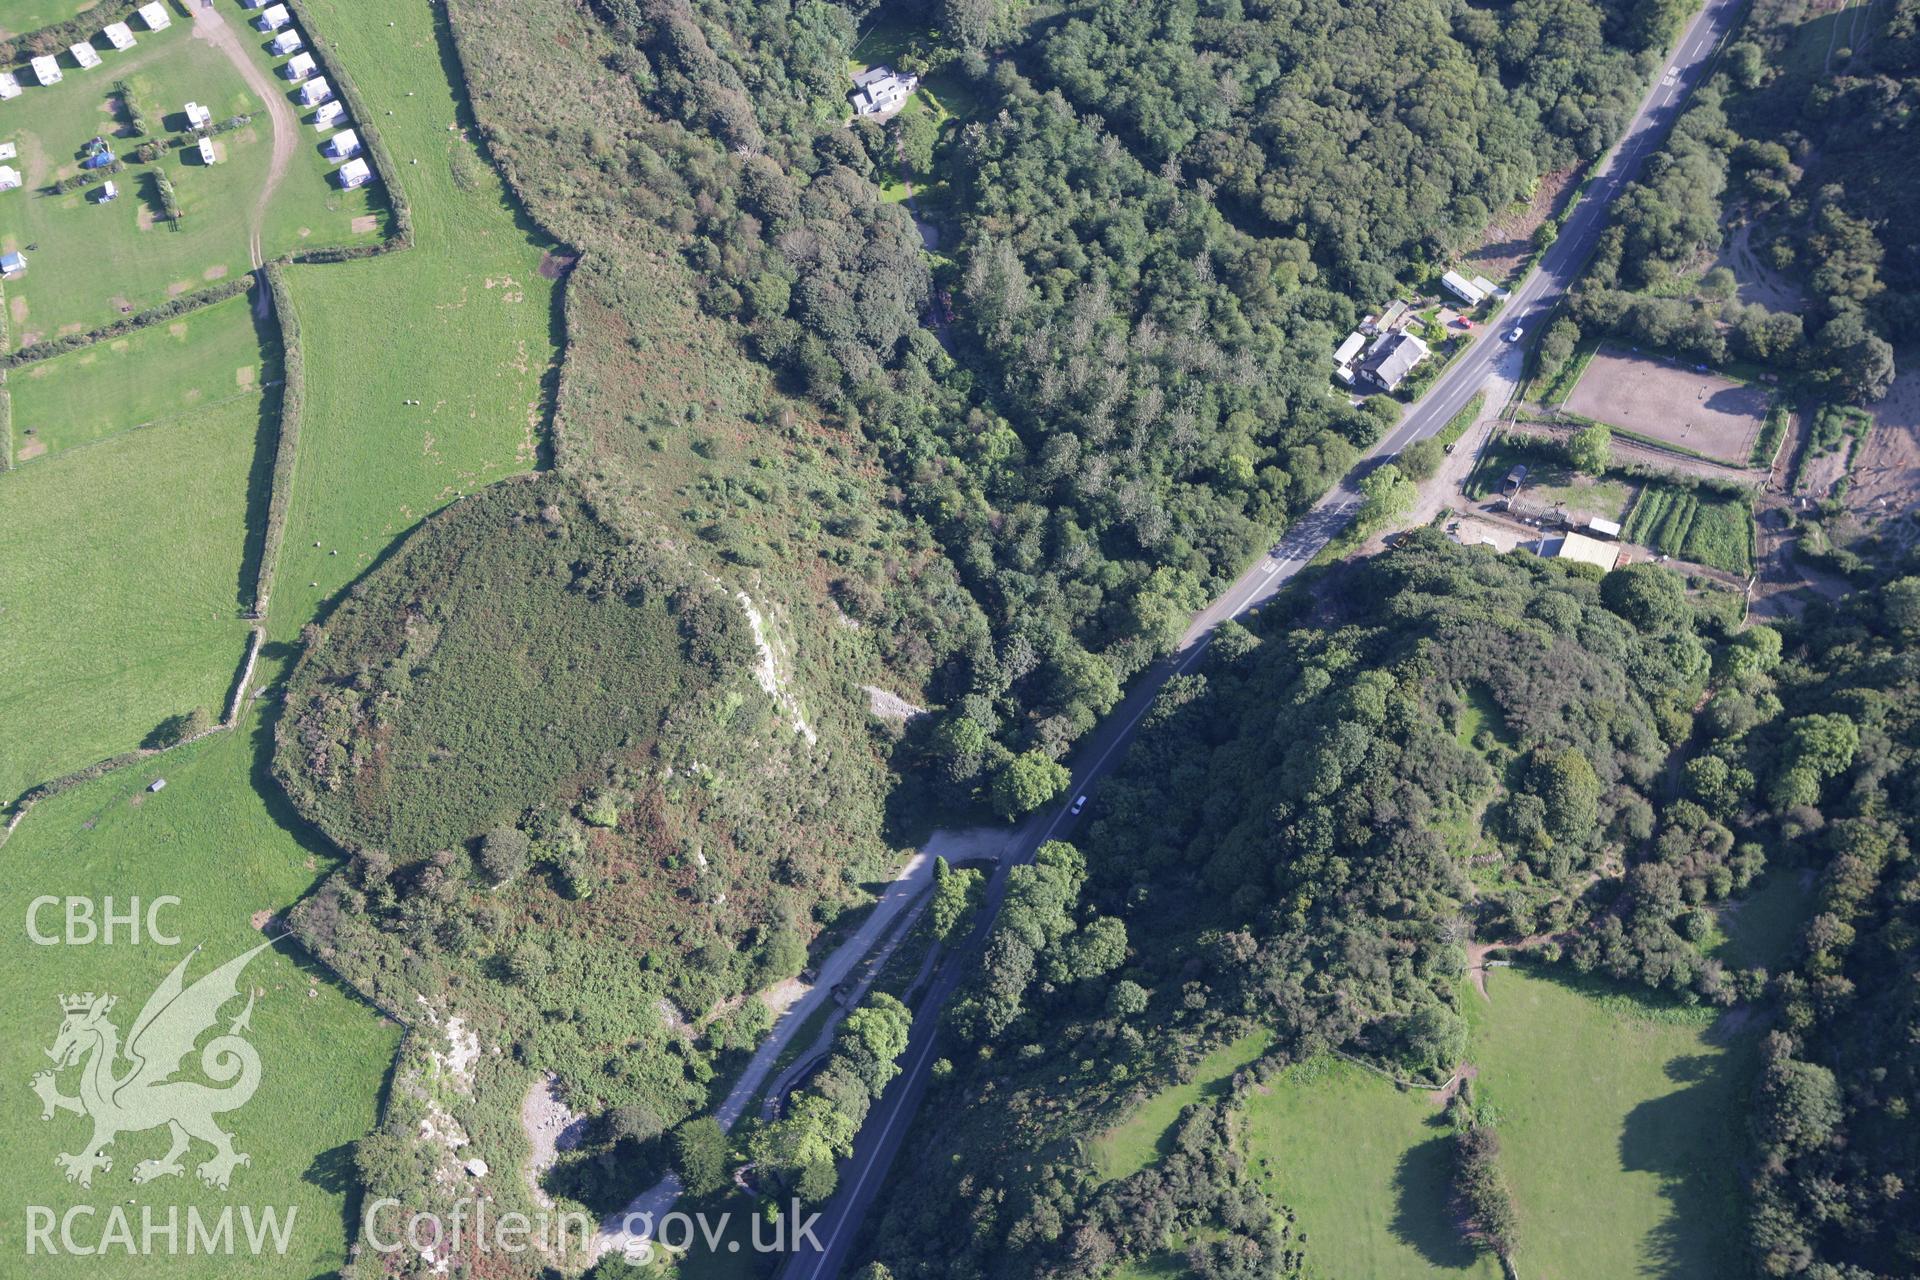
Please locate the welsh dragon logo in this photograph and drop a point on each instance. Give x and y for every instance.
(142, 1094)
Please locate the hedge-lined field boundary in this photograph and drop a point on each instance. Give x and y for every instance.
(79, 29)
(127, 324)
(293, 397)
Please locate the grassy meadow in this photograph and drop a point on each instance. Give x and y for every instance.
(1617, 1121)
(127, 552)
(227, 850)
(88, 262)
(187, 366)
(463, 324)
(17, 17)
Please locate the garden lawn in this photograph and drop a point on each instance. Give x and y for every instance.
(463, 323)
(1364, 1166)
(1621, 1128)
(1147, 1134)
(89, 263)
(191, 365)
(213, 841)
(124, 566)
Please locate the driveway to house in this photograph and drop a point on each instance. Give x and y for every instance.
(1531, 302)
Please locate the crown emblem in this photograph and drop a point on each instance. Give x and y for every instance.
(80, 1003)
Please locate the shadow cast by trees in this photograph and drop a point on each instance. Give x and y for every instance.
(1423, 1217)
(1676, 1137)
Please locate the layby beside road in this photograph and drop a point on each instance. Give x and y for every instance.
(1528, 306)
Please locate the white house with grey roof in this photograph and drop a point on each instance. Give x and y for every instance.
(881, 89)
(1392, 358)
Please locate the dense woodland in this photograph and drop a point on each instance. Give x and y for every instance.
(1795, 145)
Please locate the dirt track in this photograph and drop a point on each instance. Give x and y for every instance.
(210, 25)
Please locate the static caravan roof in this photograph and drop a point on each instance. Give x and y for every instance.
(1349, 349)
(46, 70)
(13, 262)
(299, 66)
(206, 151)
(273, 19)
(9, 85)
(198, 116)
(355, 173)
(9, 177)
(1606, 528)
(344, 143)
(84, 54)
(316, 90)
(328, 113)
(155, 16)
(285, 43)
(119, 35)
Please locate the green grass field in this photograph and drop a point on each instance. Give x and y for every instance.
(1617, 1120)
(1621, 1131)
(126, 559)
(1146, 1134)
(88, 263)
(18, 17)
(188, 366)
(462, 323)
(213, 841)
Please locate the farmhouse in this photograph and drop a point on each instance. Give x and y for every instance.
(1345, 354)
(119, 35)
(315, 91)
(9, 177)
(84, 54)
(1462, 288)
(286, 42)
(1393, 357)
(46, 70)
(355, 173)
(13, 264)
(299, 66)
(1578, 546)
(880, 89)
(206, 150)
(343, 145)
(273, 19)
(328, 114)
(198, 117)
(155, 16)
(9, 85)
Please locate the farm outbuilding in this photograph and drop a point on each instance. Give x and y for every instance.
(119, 35)
(46, 70)
(299, 66)
(286, 42)
(273, 19)
(13, 264)
(355, 173)
(206, 151)
(9, 85)
(155, 16)
(1462, 288)
(1578, 546)
(328, 115)
(198, 117)
(9, 177)
(315, 91)
(85, 54)
(343, 145)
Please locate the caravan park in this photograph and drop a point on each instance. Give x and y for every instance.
(181, 157)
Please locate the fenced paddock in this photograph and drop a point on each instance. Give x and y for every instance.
(1671, 403)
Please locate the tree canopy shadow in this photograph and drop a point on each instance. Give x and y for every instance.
(1422, 1216)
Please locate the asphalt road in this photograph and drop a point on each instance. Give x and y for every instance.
(1528, 306)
